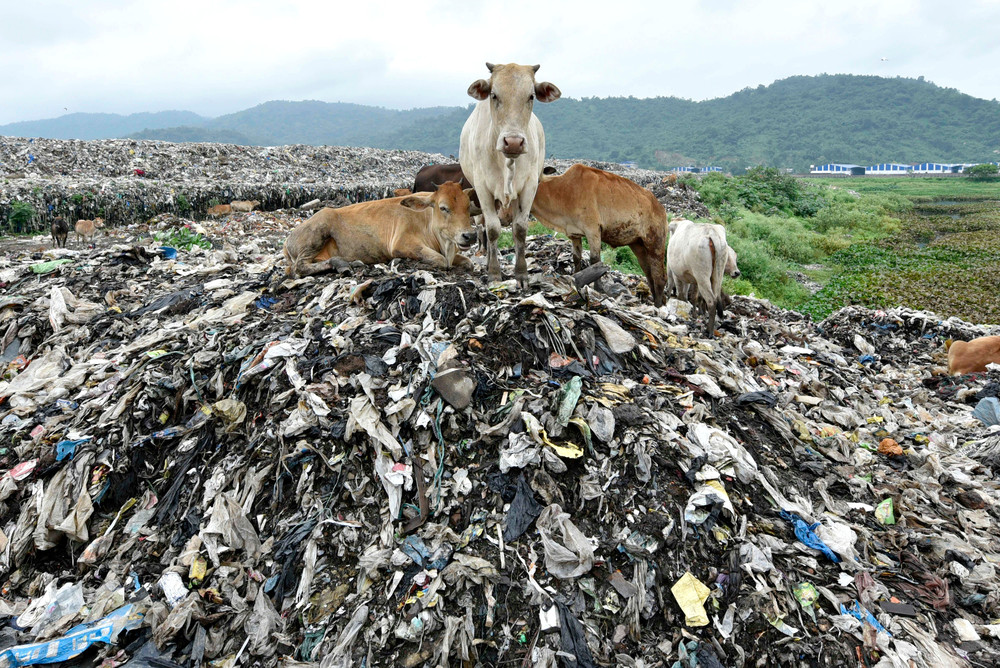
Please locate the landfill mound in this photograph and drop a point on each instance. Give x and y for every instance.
(206, 462)
(129, 181)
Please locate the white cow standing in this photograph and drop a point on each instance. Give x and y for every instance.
(697, 258)
(501, 153)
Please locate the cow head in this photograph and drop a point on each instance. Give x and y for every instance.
(731, 268)
(512, 92)
(450, 221)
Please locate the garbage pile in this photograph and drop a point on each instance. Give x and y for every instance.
(678, 198)
(207, 463)
(128, 180)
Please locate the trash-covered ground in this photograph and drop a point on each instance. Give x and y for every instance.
(129, 181)
(400, 466)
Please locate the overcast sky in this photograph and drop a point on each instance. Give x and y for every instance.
(218, 56)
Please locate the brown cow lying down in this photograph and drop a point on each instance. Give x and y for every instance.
(401, 192)
(431, 227)
(697, 254)
(605, 207)
(973, 356)
(220, 210)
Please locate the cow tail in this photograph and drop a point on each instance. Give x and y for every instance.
(714, 278)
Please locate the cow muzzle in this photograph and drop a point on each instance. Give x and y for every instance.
(466, 240)
(512, 145)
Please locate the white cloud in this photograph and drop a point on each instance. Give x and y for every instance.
(215, 57)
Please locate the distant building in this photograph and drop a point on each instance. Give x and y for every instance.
(691, 169)
(890, 168)
(838, 169)
(935, 168)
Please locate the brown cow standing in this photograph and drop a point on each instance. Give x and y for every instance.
(605, 207)
(85, 229)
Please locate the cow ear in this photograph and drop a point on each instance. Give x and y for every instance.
(490, 67)
(534, 68)
(416, 202)
(480, 89)
(473, 209)
(547, 92)
(672, 226)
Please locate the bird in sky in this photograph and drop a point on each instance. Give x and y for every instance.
(884, 60)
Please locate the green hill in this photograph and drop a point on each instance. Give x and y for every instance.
(99, 126)
(793, 123)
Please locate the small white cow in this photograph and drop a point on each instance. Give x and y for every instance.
(501, 153)
(698, 256)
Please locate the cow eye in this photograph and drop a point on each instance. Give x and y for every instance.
(444, 209)
(494, 96)
(531, 97)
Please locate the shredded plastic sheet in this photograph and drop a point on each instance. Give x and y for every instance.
(74, 642)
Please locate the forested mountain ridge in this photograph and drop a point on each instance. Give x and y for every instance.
(793, 123)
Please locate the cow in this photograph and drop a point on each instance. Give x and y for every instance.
(434, 175)
(689, 291)
(401, 192)
(605, 207)
(501, 152)
(429, 227)
(85, 229)
(60, 230)
(245, 205)
(973, 356)
(697, 254)
(220, 210)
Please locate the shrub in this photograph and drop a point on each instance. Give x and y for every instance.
(183, 206)
(21, 215)
(984, 172)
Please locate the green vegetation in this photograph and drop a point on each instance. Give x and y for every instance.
(183, 238)
(19, 218)
(183, 205)
(863, 241)
(984, 172)
(939, 262)
(915, 188)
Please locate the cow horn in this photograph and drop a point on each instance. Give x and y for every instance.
(490, 67)
(534, 68)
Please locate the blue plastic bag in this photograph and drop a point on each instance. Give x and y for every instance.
(807, 534)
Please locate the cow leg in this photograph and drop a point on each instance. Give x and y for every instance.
(594, 241)
(577, 254)
(523, 204)
(492, 233)
(520, 263)
(654, 272)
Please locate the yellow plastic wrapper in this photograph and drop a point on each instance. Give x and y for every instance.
(691, 595)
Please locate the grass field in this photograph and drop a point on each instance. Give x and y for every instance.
(945, 259)
(915, 187)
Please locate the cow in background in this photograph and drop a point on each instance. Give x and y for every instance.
(60, 230)
(501, 152)
(697, 255)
